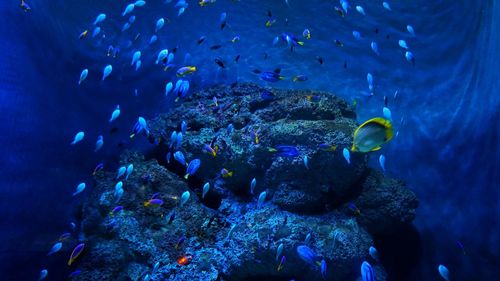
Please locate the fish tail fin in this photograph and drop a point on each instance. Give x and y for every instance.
(300, 43)
(353, 148)
(186, 176)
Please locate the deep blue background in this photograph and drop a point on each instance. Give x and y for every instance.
(447, 148)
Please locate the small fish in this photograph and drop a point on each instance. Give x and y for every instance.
(115, 114)
(26, 8)
(235, 39)
(201, 39)
(282, 263)
(374, 47)
(279, 251)
(323, 269)
(299, 78)
(367, 273)
(121, 171)
(131, 19)
(253, 183)
(410, 58)
(83, 76)
(115, 210)
(97, 168)
(338, 43)
(386, 6)
(444, 272)
(192, 167)
(203, 3)
(184, 198)
(219, 63)
(410, 30)
(43, 274)
(360, 10)
(306, 161)
(83, 34)
(271, 76)
(65, 236)
(225, 173)
(373, 253)
(387, 113)
(178, 141)
(307, 239)
(208, 149)
(320, 60)
(76, 253)
(79, 189)
(230, 129)
(57, 246)
(461, 246)
(118, 191)
(130, 169)
(183, 127)
(171, 217)
(96, 31)
(128, 9)
(339, 11)
(159, 24)
(222, 20)
(206, 188)
(237, 58)
(327, 147)
(347, 155)
(307, 254)
(99, 143)
(161, 56)
(135, 57)
(179, 157)
(354, 208)
(184, 260)
(306, 34)
(168, 88)
(286, 151)
(74, 273)
(270, 22)
(186, 70)
(153, 39)
(153, 203)
(107, 71)
(381, 161)
(403, 44)
(180, 242)
(356, 35)
(262, 199)
(139, 3)
(78, 137)
(369, 79)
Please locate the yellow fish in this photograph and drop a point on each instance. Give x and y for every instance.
(370, 135)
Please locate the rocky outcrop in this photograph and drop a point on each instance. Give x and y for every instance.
(228, 235)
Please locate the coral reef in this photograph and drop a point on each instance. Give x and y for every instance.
(227, 234)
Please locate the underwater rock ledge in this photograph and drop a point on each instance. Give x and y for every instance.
(227, 234)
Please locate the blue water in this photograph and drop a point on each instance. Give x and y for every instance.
(447, 110)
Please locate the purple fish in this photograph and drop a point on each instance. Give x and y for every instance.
(116, 209)
(155, 195)
(74, 273)
(76, 253)
(323, 269)
(192, 167)
(180, 241)
(153, 202)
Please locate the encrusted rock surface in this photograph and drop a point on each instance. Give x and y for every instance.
(227, 234)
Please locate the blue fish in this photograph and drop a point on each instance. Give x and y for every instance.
(323, 269)
(57, 246)
(347, 155)
(159, 24)
(179, 140)
(83, 76)
(410, 58)
(173, 138)
(287, 151)
(386, 6)
(367, 273)
(168, 88)
(128, 9)
(184, 198)
(183, 127)
(374, 47)
(381, 161)
(307, 254)
(410, 30)
(153, 39)
(97, 30)
(262, 199)
(206, 188)
(360, 10)
(107, 71)
(267, 96)
(100, 18)
(356, 34)
(192, 167)
(443, 271)
(78, 137)
(402, 43)
(179, 157)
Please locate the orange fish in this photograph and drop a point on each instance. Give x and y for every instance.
(184, 260)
